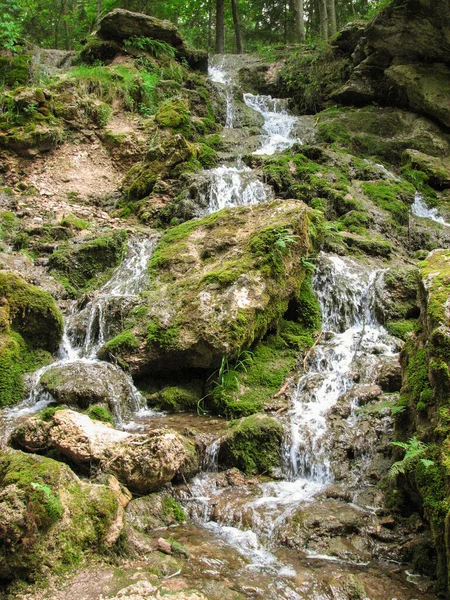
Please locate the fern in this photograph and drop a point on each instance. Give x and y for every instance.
(414, 451)
(154, 47)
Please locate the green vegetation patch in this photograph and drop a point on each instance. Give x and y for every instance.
(394, 197)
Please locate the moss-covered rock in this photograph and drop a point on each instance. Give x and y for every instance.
(14, 70)
(252, 444)
(381, 132)
(87, 265)
(435, 169)
(218, 283)
(155, 511)
(31, 329)
(49, 517)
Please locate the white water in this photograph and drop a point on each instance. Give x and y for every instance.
(345, 290)
(420, 209)
(127, 280)
(232, 186)
(278, 123)
(236, 184)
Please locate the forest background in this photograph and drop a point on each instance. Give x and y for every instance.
(215, 25)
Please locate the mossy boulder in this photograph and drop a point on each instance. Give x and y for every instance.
(397, 294)
(381, 132)
(218, 284)
(155, 511)
(175, 115)
(14, 70)
(427, 88)
(31, 329)
(86, 265)
(81, 384)
(436, 169)
(49, 517)
(252, 444)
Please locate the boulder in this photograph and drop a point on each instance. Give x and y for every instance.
(437, 169)
(49, 516)
(426, 87)
(217, 285)
(120, 25)
(155, 511)
(143, 463)
(252, 444)
(81, 384)
(396, 294)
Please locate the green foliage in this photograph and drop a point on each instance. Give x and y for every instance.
(100, 413)
(156, 48)
(415, 450)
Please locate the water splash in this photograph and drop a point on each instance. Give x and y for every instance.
(278, 123)
(231, 186)
(420, 209)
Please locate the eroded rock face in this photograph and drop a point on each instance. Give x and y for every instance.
(143, 463)
(217, 284)
(45, 510)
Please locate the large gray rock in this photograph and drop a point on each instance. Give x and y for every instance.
(143, 463)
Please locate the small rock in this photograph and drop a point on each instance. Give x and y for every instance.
(164, 546)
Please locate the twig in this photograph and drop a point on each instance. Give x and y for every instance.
(308, 354)
(283, 390)
(187, 485)
(173, 575)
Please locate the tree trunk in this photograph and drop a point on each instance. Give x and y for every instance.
(220, 26)
(98, 16)
(237, 27)
(210, 23)
(323, 19)
(331, 11)
(299, 12)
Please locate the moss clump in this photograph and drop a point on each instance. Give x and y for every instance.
(174, 115)
(100, 413)
(252, 444)
(74, 222)
(35, 494)
(172, 510)
(123, 342)
(394, 197)
(179, 398)
(14, 70)
(165, 338)
(401, 328)
(90, 264)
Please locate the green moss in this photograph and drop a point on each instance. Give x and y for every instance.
(206, 156)
(91, 263)
(252, 444)
(179, 398)
(14, 70)
(175, 115)
(401, 328)
(100, 413)
(123, 342)
(171, 509)
(74, 222)
(394, 197)
(164, 338)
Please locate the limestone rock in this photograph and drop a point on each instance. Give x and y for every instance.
(426, 87)
(217, 284)
(46, 509)
(154, 511)
(437, 169)
(120, 24)
(143, 463)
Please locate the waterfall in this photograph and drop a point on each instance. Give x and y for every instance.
(236, 184)
(126, 282)
(420, 209)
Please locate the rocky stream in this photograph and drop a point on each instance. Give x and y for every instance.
(316, 527)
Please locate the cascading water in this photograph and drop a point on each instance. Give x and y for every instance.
(126, 282)
(420, 209)
(346, 291)
(278, 123)
(236, 184)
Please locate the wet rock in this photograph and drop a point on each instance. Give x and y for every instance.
(349, 36)
(155, 511)
(328, 527)
(143, 463)
(81, 384)
(233, 273)
(396, 294)
(253, 444)
(46, 509)
(390, 376)
(358, 396)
